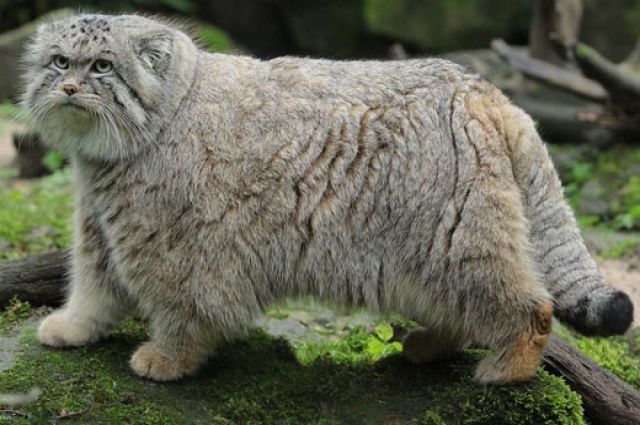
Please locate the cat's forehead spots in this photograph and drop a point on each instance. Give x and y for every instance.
(83, 31)
(90, 34)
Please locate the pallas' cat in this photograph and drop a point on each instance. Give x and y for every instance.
(210, 185)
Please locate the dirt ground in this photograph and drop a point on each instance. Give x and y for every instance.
(7, 150)
(625, 275)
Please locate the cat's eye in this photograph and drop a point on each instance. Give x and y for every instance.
(102, 66)
(61, 62)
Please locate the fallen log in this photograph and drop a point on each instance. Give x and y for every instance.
(549, 73)
(621, 80)
(606, 398)
(39, 279)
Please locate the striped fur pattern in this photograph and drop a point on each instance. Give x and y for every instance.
(210, 185)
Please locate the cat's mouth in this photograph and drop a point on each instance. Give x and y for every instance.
(74, 105)
(73, 109)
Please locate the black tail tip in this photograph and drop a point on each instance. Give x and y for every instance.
(617, 315)
(612, 316)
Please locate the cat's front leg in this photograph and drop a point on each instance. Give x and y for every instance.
(179, 345)
(95, 302)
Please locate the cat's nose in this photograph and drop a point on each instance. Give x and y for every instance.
(70, 89)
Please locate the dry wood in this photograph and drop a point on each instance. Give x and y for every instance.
(607, 399)
(620, 80)
(40, 279)
(549, 73)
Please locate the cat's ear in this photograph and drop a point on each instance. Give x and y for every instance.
(155, 50)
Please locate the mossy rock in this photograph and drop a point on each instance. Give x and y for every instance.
(258, 380)
(448, 24)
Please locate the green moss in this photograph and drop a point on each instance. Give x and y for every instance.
(584, 51)
(619, 354)
(35, 217)
(15, 312)
(214, 39)
(258, 380)
(621, 249)
(545, 402)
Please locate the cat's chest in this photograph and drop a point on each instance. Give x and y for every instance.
(129, 204)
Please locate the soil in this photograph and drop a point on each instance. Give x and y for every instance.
(625, 275)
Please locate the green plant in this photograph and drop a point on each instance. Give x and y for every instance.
(16, 311)
(628, 205)
(381, 344)
(623, 248)
(54, 161)
(36, 217)
(358, 347)
(214, 39)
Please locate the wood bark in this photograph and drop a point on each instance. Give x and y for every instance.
(42, 279)
(607, 399)
(549, 73)
(554, 29)
(622, 81)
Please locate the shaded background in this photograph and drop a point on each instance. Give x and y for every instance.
(362, 28)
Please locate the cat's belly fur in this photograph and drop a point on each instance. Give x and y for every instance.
(360, 203)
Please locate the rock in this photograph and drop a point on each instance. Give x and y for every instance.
(289, 329)
(257, 379)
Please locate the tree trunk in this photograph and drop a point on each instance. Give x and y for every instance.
(554, 28)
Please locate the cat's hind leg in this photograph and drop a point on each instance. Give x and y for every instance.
(431, 344)
(504, 307)
(497, 295)
(488, 280)
(518, 357)
(96, 303)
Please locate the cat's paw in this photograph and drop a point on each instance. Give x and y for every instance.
(58, 330)
(149, 362)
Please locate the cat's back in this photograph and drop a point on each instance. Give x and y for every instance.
(249, 109)
(323, 81)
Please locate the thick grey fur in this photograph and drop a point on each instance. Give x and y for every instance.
(210, 185)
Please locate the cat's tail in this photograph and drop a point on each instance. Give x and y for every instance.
(582, 298)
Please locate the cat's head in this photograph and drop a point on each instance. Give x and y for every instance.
(104, 86)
